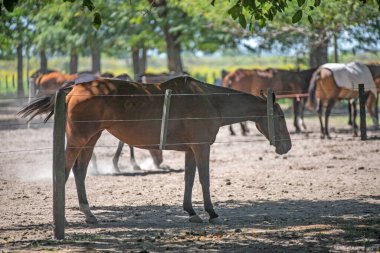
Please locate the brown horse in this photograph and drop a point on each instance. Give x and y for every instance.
(197, 112)
(49, 83)
(286, 83)
(324, 92)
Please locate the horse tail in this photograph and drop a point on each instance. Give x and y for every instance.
(39, 106)
(43, 105)
(311, 103)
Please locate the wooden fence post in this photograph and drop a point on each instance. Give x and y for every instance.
(363, 125)
(59, 164)
(165, 118)
(272, 137)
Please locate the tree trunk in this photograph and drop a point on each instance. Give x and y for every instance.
(95, 54)
(173, 46)
(20, 88)
(318, 54)
(336, 59)
(74, 62)
(139, 59)
(173, 50)
(43, 61)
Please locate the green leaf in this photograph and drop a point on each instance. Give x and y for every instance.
(300, 2)
(213, 2)
(235, 11)
(310, 19)
(262, 22)
(317, 3)
(297, 16)
(97, 20)
(242, 21)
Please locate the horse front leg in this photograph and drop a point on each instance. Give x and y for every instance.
(329, 107)
(80, 171)
(202, 158)
(157, 157)
(232, 130)
(116, 157)
(190, 166)
(244, 128)
(132, 159)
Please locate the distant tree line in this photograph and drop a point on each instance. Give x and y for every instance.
(94, 27)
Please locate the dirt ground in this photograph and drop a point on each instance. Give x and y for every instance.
(324, 195)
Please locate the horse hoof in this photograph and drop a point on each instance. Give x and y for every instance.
(91, 220)
(136, 167)
(322, 137)
(329, 137)
(195, 219)
(216, 221)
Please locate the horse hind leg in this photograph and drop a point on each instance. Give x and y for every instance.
(353, 114)
(296, 110)
(329, 107)
(80, 171)
(320, 116)
(202, 158)
(190, 168)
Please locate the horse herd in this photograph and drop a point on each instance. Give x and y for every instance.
(131, 111)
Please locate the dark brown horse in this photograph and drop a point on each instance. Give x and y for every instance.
(197, 112)
(285, 83)
(324, 92)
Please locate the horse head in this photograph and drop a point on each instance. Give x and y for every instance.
(282, 142)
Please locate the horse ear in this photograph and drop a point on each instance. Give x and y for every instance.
(263, 95)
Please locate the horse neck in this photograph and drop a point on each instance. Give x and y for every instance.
(239, 107)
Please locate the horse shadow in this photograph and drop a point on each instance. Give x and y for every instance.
(265, 226)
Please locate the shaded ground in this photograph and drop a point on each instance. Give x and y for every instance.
(324, 195)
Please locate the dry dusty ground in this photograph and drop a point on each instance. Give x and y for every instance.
(324, 195)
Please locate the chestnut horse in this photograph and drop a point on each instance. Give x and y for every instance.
(283, 82)
(197, 112)
(49, 83)
(324, 92)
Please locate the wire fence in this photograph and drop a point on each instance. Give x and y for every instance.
(50, 122)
